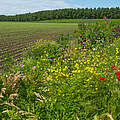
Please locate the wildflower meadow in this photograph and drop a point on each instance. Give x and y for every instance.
(76, 77)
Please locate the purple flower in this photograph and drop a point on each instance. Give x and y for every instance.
(21, 65)
(83, 47)
(33, 67)
(52, 58)
(84, 40)
(91, 48)
(80, 36)
(110, 41)
(97, 33)
(91, 40)
(81, 42)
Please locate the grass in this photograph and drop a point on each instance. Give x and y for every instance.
(76, 77)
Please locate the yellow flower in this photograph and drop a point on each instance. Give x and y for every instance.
(98, 55)
(88, 61)
(60, 70)
(87, 80)
(96, 88)
(66, 67)
(117, 50)
(77, 65)
(112, 77)
(67, 75)
(38, 62)
(75, 48)
(52, 70)
(56, 70)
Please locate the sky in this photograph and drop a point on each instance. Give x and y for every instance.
(12, 7)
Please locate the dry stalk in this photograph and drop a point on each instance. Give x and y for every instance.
(25, 113)
(10, 104)
(20, 111)
(105, 115)
(3, 90)
(12, 96)
(40, 97)
(12, 84)
(1, 96)
(6, 111)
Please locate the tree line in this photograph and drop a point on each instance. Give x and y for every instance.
(68, 13)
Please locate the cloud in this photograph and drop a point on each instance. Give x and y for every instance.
(12, 7)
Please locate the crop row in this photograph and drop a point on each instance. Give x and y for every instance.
(13, 53)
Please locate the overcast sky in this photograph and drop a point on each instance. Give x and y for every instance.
(12, 7)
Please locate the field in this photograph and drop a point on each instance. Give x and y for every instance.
(79, 21)
(75, 77)
(15, 36)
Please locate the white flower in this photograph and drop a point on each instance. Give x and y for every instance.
(93, 48)
(6, 75)
(14, 84)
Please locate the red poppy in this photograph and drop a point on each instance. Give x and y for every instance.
(102, 78)
(118, 78)
(105, 17)
(117, 73)
(113, 68)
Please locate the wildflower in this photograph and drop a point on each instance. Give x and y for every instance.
(6, 75)
(105, 17)
(77, 65)
(21, 65)
(90, 48)
(102, 78)
(52, 58)
(113, 68)
(118, 73)
(14, 84)
(76, 48)
(117, 50)
(81, 42)
(93, 48)
(80, 36)
(118, 78)
(33, 67)
(110, 41)
(91, 40)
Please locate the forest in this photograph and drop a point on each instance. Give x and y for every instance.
(68, 13)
